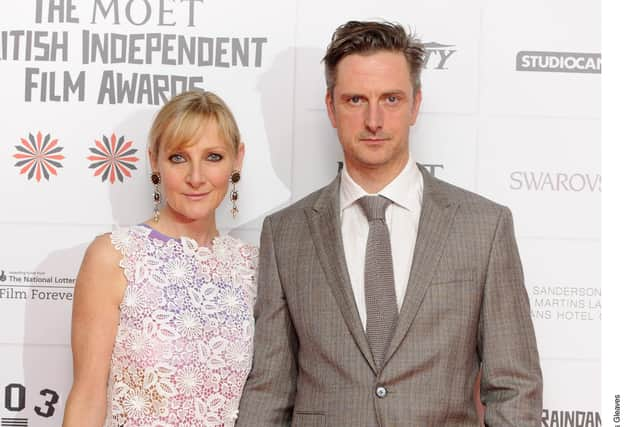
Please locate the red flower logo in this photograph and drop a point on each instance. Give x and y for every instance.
(38, 157)
(113, 158)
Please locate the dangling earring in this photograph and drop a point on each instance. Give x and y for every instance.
(233, 179)
(155, 180)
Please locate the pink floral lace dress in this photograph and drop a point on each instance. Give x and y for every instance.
(185, 339)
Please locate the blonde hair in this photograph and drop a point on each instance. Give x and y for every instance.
(180, 120)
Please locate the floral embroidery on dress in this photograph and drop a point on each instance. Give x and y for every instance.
(184, 343)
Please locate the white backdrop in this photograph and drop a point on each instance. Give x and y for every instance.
(511, 110)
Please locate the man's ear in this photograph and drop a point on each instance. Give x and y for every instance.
(417, 101)
(331, 112)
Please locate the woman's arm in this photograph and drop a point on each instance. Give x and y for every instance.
(99, 290)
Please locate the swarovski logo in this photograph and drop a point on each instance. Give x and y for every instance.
(555, 181)
(558, 62)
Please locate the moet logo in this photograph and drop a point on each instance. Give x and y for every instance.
(432, 167)
(437, 55)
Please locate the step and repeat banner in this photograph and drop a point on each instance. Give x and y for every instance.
(511, 110)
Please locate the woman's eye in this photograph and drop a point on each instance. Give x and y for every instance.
(176, 158)
(214, 157)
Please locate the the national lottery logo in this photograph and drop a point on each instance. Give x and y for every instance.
(113, 158)
(38, 157)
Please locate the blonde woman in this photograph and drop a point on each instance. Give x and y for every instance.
(162, 316)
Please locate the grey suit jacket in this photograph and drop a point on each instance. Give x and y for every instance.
(466, 309)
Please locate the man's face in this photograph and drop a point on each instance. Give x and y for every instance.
(372, 107)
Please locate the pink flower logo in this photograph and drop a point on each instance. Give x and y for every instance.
(113, 158)
(38, 157)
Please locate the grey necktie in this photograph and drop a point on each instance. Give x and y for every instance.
(379, 288)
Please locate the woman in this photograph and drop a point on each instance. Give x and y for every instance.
(162, 316)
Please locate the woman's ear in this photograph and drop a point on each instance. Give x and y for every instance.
(237, 164)
(153, 161)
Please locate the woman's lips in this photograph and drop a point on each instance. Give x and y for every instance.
(196, 196)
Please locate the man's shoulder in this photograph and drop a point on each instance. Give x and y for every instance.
(297, 209)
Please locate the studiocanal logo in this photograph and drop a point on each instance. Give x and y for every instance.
(570, 418)
(558, 62)
(38, 157)
(437, 55)
(113, 158)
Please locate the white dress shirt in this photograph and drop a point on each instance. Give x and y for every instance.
(402, 218)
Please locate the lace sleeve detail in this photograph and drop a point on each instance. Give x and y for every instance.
(249, 256)
(243, 259)
(130, 241)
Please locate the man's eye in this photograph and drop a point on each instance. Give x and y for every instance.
(392, 99)
(355, 100)
(214, 157)
(176, 158)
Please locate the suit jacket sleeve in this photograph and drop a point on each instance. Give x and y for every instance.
(269, 393)
(511, 386)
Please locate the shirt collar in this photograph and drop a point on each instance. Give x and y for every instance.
(397, 190)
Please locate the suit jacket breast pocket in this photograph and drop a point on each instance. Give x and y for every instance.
(308, 419)
(453, 276)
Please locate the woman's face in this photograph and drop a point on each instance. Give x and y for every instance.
(195, 179)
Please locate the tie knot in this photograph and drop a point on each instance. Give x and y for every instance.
(374, 207)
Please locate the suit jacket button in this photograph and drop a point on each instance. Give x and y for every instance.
(381, 392)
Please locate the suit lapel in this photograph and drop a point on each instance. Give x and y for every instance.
(324, 223)
(435, 222)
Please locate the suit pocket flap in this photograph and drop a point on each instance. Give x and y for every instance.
(307, 419)
(453, 276)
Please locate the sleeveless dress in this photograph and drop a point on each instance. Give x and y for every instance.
(184, 344)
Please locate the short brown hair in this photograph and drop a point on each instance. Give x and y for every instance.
(179, 121)
(365, 37)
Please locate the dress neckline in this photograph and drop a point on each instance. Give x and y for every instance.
(165, 238)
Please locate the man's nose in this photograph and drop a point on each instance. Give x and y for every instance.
(374, 118)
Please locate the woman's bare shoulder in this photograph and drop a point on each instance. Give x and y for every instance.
(100, 270)
(102, 252)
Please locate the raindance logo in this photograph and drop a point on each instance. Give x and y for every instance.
(570, 418)
(38, 157)
(113, 158)
(558, 62)
(437, 55)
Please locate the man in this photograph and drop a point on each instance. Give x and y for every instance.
(382, 310)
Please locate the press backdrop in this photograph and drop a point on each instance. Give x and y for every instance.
(511, 110)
